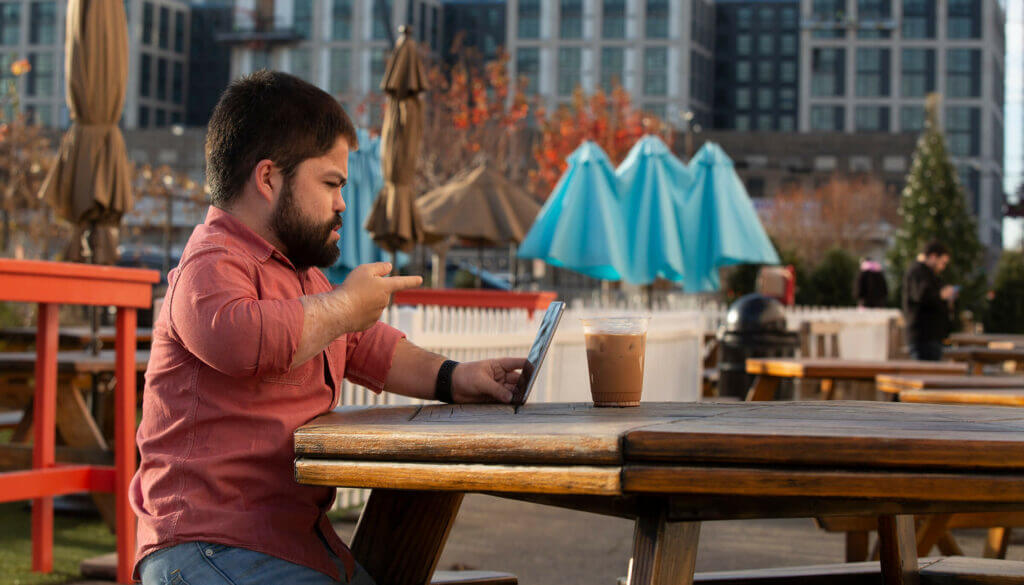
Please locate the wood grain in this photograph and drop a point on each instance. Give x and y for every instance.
(895, 383)
(898, 551)
(664, 552)
(580, 479)
(991, 396)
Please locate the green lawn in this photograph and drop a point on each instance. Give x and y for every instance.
(75, 538)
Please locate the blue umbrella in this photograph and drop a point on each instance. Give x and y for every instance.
(720, 226)
(652, 183)
(580, 227)
(364, 182)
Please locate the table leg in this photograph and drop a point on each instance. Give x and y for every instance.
(898, 551)
(401, 534)
(45, 434)
(857, 546)
(935, 526)
(664, 552)
(997, 542)
(124, 439)
(764, 388)
(828, 389)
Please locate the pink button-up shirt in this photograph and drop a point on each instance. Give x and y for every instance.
(223, 398)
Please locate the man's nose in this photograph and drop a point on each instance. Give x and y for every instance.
(339, 202)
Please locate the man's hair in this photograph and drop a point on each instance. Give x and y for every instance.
(269, 115)
(936, 248)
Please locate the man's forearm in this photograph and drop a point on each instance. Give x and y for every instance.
(324, 320)
(413, 371)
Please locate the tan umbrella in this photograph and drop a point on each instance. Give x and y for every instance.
(479, 205)
(394, 222)
(90, 185)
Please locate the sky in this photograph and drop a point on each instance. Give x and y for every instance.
(1013, 121)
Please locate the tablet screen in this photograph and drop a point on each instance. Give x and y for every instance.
(537, 352)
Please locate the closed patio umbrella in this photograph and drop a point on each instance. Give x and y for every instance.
(394, 222)
(90, 184)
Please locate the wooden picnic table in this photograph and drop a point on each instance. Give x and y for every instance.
(990, 396)
(978, 357)
(986, 339)
(771, 371)
(68, 338)
(894, 384)
(668, 466)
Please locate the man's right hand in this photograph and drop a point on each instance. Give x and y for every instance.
(947, 292)
(367, 291)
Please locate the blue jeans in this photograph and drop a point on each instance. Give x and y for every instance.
(926, 350)
(203, 563)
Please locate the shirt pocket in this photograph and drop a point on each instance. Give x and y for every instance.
(294, 377)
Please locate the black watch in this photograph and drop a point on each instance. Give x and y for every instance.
(443, 386)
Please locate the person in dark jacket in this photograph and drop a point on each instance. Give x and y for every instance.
(927, 303)
(871, 290)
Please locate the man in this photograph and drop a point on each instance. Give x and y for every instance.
(926, 303)
(252, 342)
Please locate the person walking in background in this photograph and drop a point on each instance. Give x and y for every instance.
(870, 289)
(927, 303)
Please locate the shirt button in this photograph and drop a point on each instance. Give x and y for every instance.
(209, 552)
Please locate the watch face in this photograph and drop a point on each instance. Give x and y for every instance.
(537, 352)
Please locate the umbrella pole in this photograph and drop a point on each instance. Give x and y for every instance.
(514, 265)
(480, 269)
(394, 262)
(94, 311)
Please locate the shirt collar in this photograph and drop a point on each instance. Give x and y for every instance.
(261, 249)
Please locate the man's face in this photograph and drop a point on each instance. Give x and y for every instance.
(937, 262)
(307, 215)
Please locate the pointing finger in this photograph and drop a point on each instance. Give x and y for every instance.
(397, 283)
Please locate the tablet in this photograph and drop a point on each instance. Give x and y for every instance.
(537, 352)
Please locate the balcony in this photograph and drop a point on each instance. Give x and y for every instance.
(260, 31)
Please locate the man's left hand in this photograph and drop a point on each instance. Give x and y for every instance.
(486, 380)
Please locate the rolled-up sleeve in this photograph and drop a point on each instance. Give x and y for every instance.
(368, 355)
(216, 314)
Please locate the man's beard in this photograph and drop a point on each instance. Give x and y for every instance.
(307, 243)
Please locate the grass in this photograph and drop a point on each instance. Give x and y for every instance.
(74, 538)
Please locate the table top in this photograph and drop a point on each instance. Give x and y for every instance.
(985, 339)
(989, 396)
(984, 354)
(78, 362)
(846, 369)
(839, 449)
(895, 383)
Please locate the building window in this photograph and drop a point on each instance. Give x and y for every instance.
(39, 80)
(918, 19)
(827, 118)
(964, 19)
(161, 118)
(655, 109)
(145, 75)
(340, 71)
(766, 17)
(742, 122)
(765, 71)
(178, 83)
(744, 44)
(528, 66)
(765, 98)
(787, 98)
(912, 118)
(787, 71)
(871, 119)
(765, 122)
(787, 123)
(917, 77)
(787, 44)
(164, 30)
(827, 72)
(341, 20)
(381, 19)
(529, 19)
(656, 19)
(570, 19)
(147, 30)
(302, 18)
(260, 59)
(742, 98)
(963, 130)
(872, 72)
(829, 16)
(302, 64)
(43, 23)
(655, 71)
(161, 79)
(743, 71)
(613, 63)
(789, 17)
(871, 16)
(613, 23)
(143, 117)
(378, 62)
(179, 32)
(744, 17)
(766, 45)
(10, 23)
(569, 63)
(963, 73)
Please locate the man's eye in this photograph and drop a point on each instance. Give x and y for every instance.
(333, 185)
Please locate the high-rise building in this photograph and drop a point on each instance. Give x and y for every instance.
(868, 66)
(209, 59)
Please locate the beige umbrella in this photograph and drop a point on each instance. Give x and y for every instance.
(393, 222)
(479, 205)
(90, 185)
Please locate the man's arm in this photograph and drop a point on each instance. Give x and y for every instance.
(414, 373)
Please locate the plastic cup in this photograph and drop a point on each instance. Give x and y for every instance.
(616, 347)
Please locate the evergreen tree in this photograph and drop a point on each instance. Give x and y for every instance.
(1006, 311)
(932, 207)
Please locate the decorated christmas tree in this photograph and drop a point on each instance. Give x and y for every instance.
(932, 207)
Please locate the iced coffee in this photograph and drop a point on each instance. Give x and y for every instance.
(616, 347)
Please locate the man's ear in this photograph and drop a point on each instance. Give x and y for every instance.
(265, 176)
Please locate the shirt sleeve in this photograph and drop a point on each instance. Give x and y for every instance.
(368, 355)
(924, 290)
(215, 313)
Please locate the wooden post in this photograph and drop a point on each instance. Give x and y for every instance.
(45, 432)
(898, 550)
(664, 552)
(124, 439)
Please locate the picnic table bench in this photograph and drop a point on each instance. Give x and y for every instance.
(987, 339)
(668, 466)
(895, 383)
(68, 338)
(769, 372)
(978, 357)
